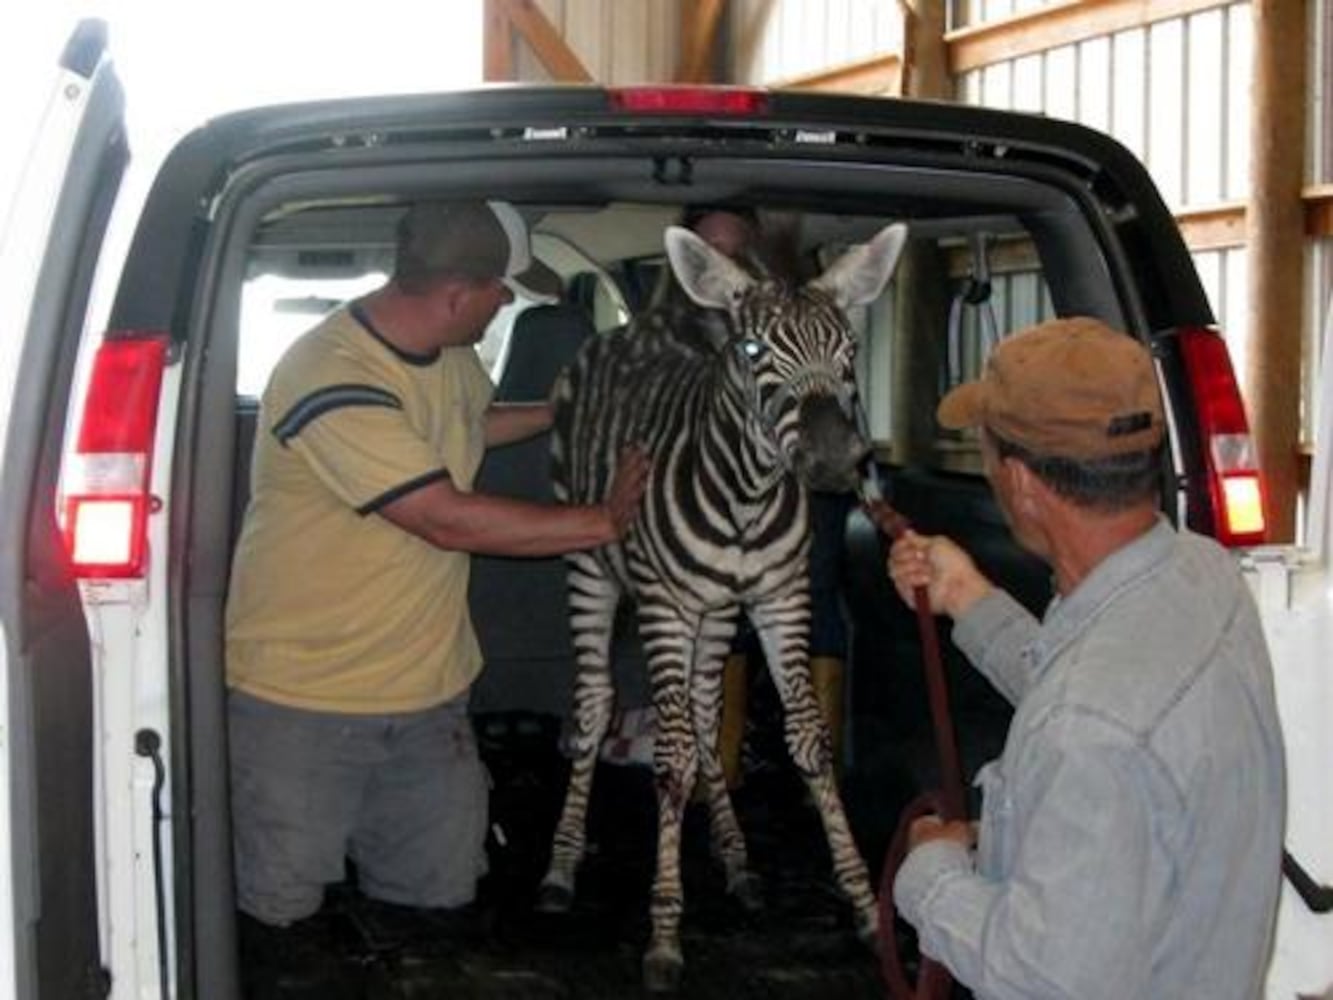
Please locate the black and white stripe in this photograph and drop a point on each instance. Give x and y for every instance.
(735, 438)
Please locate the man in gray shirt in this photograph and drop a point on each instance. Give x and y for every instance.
(1131, 832)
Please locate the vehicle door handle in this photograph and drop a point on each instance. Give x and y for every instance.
(1319, 898)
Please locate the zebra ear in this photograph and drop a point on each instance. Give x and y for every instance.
(859, 275)
(710, 278)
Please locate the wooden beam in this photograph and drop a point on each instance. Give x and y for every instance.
(1003, 256)
(1215, 227)
(1275, 231)
(546, 43)
(880, 75)
(1318, 210)
(497, 44)
(1059, 24)
(925, 55)
(699, 21)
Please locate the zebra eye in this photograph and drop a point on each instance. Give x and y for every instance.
(752, 348)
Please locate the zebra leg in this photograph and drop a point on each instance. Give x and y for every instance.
(728, 842)
(593, 599)
(669, 646)
(783, 634)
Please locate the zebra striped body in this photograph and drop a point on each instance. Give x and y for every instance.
(735, 438)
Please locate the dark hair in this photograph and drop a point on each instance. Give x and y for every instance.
(413, 278)
(1107, 484)
(693, 213)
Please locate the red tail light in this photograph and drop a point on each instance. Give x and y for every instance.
(1234, 479)
(689, 100)
(106, 488)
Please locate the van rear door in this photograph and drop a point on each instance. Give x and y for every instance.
(49, 936)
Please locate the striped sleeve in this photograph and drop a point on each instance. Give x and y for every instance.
(359, 442)
(328, 398)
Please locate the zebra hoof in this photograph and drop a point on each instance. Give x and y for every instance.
(555, 899)
(662, 970)
(867, 929)
(745, 889)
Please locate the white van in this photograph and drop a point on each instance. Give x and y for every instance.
(127, 385)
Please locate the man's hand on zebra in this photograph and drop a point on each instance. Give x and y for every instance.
(627, 487)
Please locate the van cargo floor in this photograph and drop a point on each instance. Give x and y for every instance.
(800, 945)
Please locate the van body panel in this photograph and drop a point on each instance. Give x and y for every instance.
(1293, 585)
(49, 258)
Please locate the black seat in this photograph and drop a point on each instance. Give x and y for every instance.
(544, 340)
(519, 606)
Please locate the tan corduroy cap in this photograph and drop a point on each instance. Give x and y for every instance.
(479, 239)
(1069, 388)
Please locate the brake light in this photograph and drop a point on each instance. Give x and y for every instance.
(106, 490)
(689, 100)
(1235, 483)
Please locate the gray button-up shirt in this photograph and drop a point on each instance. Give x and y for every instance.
(1131, 832)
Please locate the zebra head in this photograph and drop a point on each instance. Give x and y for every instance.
(798, 347)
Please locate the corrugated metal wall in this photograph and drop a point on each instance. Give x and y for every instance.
(1175, 92)
(775, 40)
(618, 41)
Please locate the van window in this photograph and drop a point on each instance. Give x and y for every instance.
(934, 327)
(276, 309)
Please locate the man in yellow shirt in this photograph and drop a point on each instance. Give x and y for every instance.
(349, 647)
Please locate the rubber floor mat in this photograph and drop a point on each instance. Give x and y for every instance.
(800, 945)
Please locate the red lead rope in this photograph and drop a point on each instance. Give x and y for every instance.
(949, 802)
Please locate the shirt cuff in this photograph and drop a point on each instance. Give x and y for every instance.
(974, 632)
(921, 873)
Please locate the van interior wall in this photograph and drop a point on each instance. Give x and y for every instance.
(213, 460)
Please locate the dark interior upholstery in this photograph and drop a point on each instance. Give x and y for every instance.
(519, 606)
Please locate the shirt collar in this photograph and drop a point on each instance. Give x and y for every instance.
(1067, 616)
(418, 360)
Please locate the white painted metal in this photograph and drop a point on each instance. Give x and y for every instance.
(1205, 124)
(1028, 80)
(779, 40)
(1294, 588)
(26, 232)
(8, 973)
(1129, 90)
(1094, 83)
(1240, 54)
(1061, 99)
(1166, 123)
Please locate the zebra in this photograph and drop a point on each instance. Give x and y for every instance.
(735, 439)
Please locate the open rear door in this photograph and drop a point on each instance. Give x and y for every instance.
(49, 936)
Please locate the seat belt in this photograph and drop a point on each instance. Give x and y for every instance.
(974, 293)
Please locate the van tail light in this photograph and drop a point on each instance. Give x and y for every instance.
(106, 498)
(1232, 465)
(682, 100)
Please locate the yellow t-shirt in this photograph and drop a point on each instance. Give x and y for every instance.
(331, 606)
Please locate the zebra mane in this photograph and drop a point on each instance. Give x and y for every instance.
(777, 254)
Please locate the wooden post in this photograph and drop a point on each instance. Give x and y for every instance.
(925, 52)
(497, 44)
(1275, 234)
(922, 308)
(699, 23)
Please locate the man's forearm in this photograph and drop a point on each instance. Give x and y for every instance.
(491, 525)
(507, 423)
